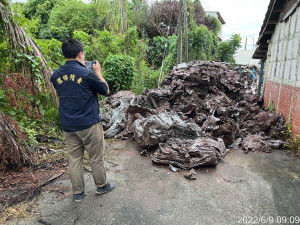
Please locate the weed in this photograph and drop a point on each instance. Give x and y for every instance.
(59, 156)
(16, 212)
(293, 142)
(271, 107)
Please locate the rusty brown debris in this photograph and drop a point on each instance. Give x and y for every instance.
(197, 114)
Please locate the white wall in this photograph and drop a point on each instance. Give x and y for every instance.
(283, 64)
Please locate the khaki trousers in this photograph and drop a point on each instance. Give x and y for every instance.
(91, 139)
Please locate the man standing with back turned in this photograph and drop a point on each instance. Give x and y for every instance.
(77, 88)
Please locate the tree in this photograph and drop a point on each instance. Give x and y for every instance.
(40, 9)
(23, 47)
(72, 15)
(137, 12)
(114, 14)
(201, 43)
(26, 57)
(227, 49)
(198, 16)
(162, 18)
(197, 13)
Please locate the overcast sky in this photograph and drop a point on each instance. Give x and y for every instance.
(244, 17)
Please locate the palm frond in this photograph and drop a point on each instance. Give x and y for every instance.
(21, 40)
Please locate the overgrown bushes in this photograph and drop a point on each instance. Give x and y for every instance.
(292, 142)
(69, 16)
(201, 44)
(119, 71)
(227, 49)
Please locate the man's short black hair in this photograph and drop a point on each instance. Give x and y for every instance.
(71, 48)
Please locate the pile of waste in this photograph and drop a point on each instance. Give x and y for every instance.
(200, 112)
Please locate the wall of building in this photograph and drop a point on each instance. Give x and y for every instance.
(282, 72)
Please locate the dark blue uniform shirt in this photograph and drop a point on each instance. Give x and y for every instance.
(77, 88)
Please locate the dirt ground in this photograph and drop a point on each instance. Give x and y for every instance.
(25, 184)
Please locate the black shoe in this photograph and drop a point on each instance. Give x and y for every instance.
(78, 197)
(107, 188)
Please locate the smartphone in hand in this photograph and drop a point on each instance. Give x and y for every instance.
(89, 64)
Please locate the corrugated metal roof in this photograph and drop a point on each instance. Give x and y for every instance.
(267, 29)
(244, 57)
(278, 11)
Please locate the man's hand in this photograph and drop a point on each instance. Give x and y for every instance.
(97, 67)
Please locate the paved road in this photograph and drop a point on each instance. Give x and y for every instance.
(243, 187)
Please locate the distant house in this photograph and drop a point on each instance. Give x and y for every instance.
(278, 48)
(219, 17)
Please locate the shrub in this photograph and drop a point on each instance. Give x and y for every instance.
(52, 52)
(216, 24)
(59, 33)
(170, 62)
(4, 53)
(119, 72)
(156, 52)
(146, 78)
(86, 41)
(292, 142)
(201, 44)
(227, 49)
(104, 44)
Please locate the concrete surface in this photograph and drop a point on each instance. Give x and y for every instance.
(241, 188)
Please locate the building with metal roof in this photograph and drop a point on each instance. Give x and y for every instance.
(278, 49)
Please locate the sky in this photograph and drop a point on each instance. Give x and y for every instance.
(244, 17)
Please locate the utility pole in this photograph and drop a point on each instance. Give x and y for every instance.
(179, 44)
(260, 81)
(186, 38)
(246, 44)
